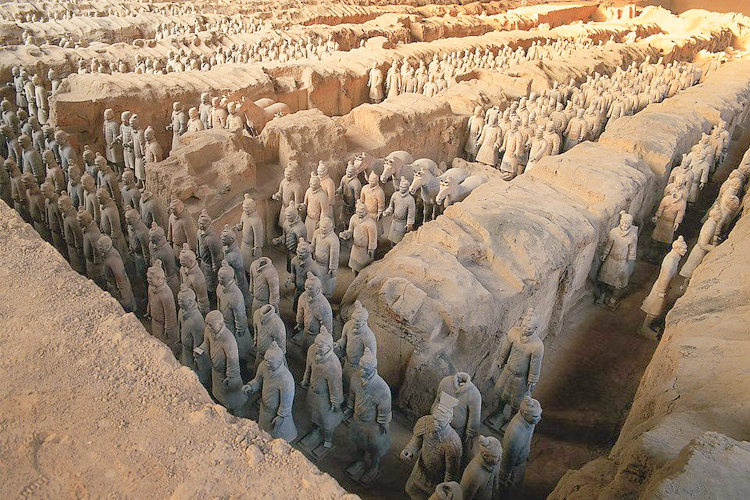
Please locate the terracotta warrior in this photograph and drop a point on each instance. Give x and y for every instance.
(194, 121)
(90, 202)
(36, 204)
(656, 302)
(520, 359)
(325, 395)
(153, 210)
(192, 326)
(118, 283)
(210, 253)
(302, 264)
(467, 414)
(221, 346)
(327, 184)
(325, 247)
(375, 84)
(355, 338)
(251, 228)
(268, 327)
(110, 222)
(54, 217)
(290, 191)
(192, 276)
(706, 243)
(181, 227)
(131, 195)
(178, 126)
(363, 232)
(113, 149)
(516, 446)
(436, 450)
(669, 215)
(482, 474)
(264, 284)
(276, 385)
(126, 140)
(94, 261)
(316, 203)
(313, 312)
(138, 243)
(373, 196)
(474, 129)
(31, 159)
(350, 189)
(72, 233)
(154, 153)
(618, 260)
(75, 188)
(403, 208)
(233, 257)
(160, 250)
(139, 148)
(230, 302)
(292, 231)
(369, 407)
(162, 309)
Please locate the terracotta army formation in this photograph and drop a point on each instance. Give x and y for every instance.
(197, 270)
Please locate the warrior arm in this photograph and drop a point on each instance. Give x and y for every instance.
(286, 399)
(453, 463)
(535, 364)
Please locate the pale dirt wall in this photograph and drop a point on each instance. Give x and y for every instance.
(94, 407)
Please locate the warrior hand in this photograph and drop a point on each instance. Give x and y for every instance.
(277, 422)
(371, 254)
(288, 282)
(348, 413)
(700, 186)
(384, 428)
(409, 227)
(276, 196)
(257, 252)
(604, 257)
(530, 387)
(304, 384)
(276, 241)
(247, 389)
(406, 455)
(654, 218)
(339, 192)
(676, 225)
(332, 273)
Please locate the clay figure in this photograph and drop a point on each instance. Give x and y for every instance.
(37, 206)
(154, 152)
(290, 191)
(467, 414)
(160, 250)
(131, 195)
(618, 260)
(233, 257)
(474, 129)
(195, 124)
(276, 385)
(301, 265)
(138, 243)
(182, 228)
(482, 474)
(435, 449)
(375, 84)
(325, 395)
(669, 215)
(268, 327)
(350, 189)
(264, 284)
(705, 243)
(192, 326)
(221, 346)
(118, 283)
(31, 159)
(72, 233)
(356, 336)
(403, 208)
(109, 217)
(53, 217)
(313, 312)
(656, 301)
(447, 491)
(325, 248)
(373, 196)
(451, 191)
(139, 148)
(113, 148)
(251, 228)
(90, 201)
(520, 358)
(162, 309)
(327, 184)
(396, 165)
(230, 302)
(126, 140)
(209, 252)
(363, 232)
(178, 126)
(516, 446)
(191, 275)
(369, 407)
(316, 204)
(91, 235)
(153, 210)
